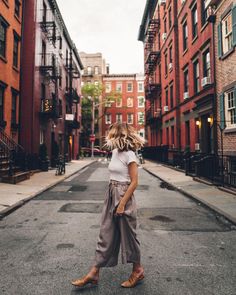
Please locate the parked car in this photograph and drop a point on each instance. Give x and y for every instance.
(97, 152)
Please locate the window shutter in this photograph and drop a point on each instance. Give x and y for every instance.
(235, 96)
(234, 24)
(222, 111)
(219, 28)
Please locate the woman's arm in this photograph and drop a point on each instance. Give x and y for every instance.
(133, 173)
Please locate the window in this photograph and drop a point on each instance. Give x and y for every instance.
(2, 90)
(96, 70)
(230, 103)
(140, 101)
(166, 69)
(206, 64)
(108, 87)
(167, 136)
(165, 26)
(170, 17)
(60, 43)
(185, 36)
(130, 102)
(15, 50)
(119, 118)
(129, 87)
(96, 83)
(141, 118)
(60, 108)
(205, 4)
(227, 41)
(44, 50)
(107, 104)
(167, 94)
(171, 96)
(119, 102)
(140, 87)
(60, 77)
(3, 37)
(170, 54)
(130, 118)
(141, 132)
(196, 76)
(89, 70)
(194, 21)
(119, 87)
(186, 80)
(44, 12)
(43, 91)
(14, 107)
(108, 118)
(17, 8)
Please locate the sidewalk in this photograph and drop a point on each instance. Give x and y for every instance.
(220, 201)
(14, 195)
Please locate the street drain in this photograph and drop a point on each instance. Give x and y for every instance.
(143, 187)
(167, 186)
(81, 208)
(162, 218)
(65, 246)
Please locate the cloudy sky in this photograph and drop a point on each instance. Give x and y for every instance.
(107, 26)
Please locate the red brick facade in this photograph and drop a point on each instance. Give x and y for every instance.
(10, 66)
(225, 75)
(179, 60)
(130, 108)
(51, 70)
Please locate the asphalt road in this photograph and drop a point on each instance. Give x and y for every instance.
(186, 249)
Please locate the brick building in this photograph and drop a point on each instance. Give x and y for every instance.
(10, 66)
(50, 89)
(225, 40)
(179, 59)
(94, 68)
(130, 107)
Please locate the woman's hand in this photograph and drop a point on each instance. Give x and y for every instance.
(120, 209)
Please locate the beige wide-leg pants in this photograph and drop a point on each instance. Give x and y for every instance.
(117, 231)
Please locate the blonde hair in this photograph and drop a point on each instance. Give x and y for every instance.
(123, 137)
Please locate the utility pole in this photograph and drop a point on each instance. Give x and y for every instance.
(92, 129)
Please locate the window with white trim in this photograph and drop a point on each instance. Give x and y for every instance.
(130, 102)
(108, 119)
(141, 132)
(140, 87)
(119, 102)
(230, 109)
(140, 101)
(140, 118)
(227, 33)
(129, 87)
(119, 87)
(108, 87)
(130, 118)
(119, 118)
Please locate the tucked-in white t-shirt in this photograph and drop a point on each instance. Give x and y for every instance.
(118, 166)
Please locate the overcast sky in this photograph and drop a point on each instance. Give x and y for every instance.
(107, 26)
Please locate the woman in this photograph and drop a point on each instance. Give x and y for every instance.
(118, 226)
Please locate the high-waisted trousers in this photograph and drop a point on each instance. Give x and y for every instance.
(117, 231)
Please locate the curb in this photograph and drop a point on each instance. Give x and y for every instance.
(203, 202)
(20, 203)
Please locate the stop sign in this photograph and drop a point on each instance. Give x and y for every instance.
(92, 138)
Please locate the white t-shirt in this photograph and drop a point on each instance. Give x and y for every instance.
(118, 166)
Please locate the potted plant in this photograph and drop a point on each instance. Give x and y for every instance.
(43, 157)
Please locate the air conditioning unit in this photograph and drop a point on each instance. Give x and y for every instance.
(186, 95)
(162, 2)
(166, 108)
(206, 81)
(164, 35)
(170, 66)
(197, 146)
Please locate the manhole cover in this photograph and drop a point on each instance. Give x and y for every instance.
(142, 187)
(78, 188)
(81, 208)
(167, 186)
(162, 218)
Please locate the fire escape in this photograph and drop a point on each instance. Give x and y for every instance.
(50, 70)
(152, 87)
